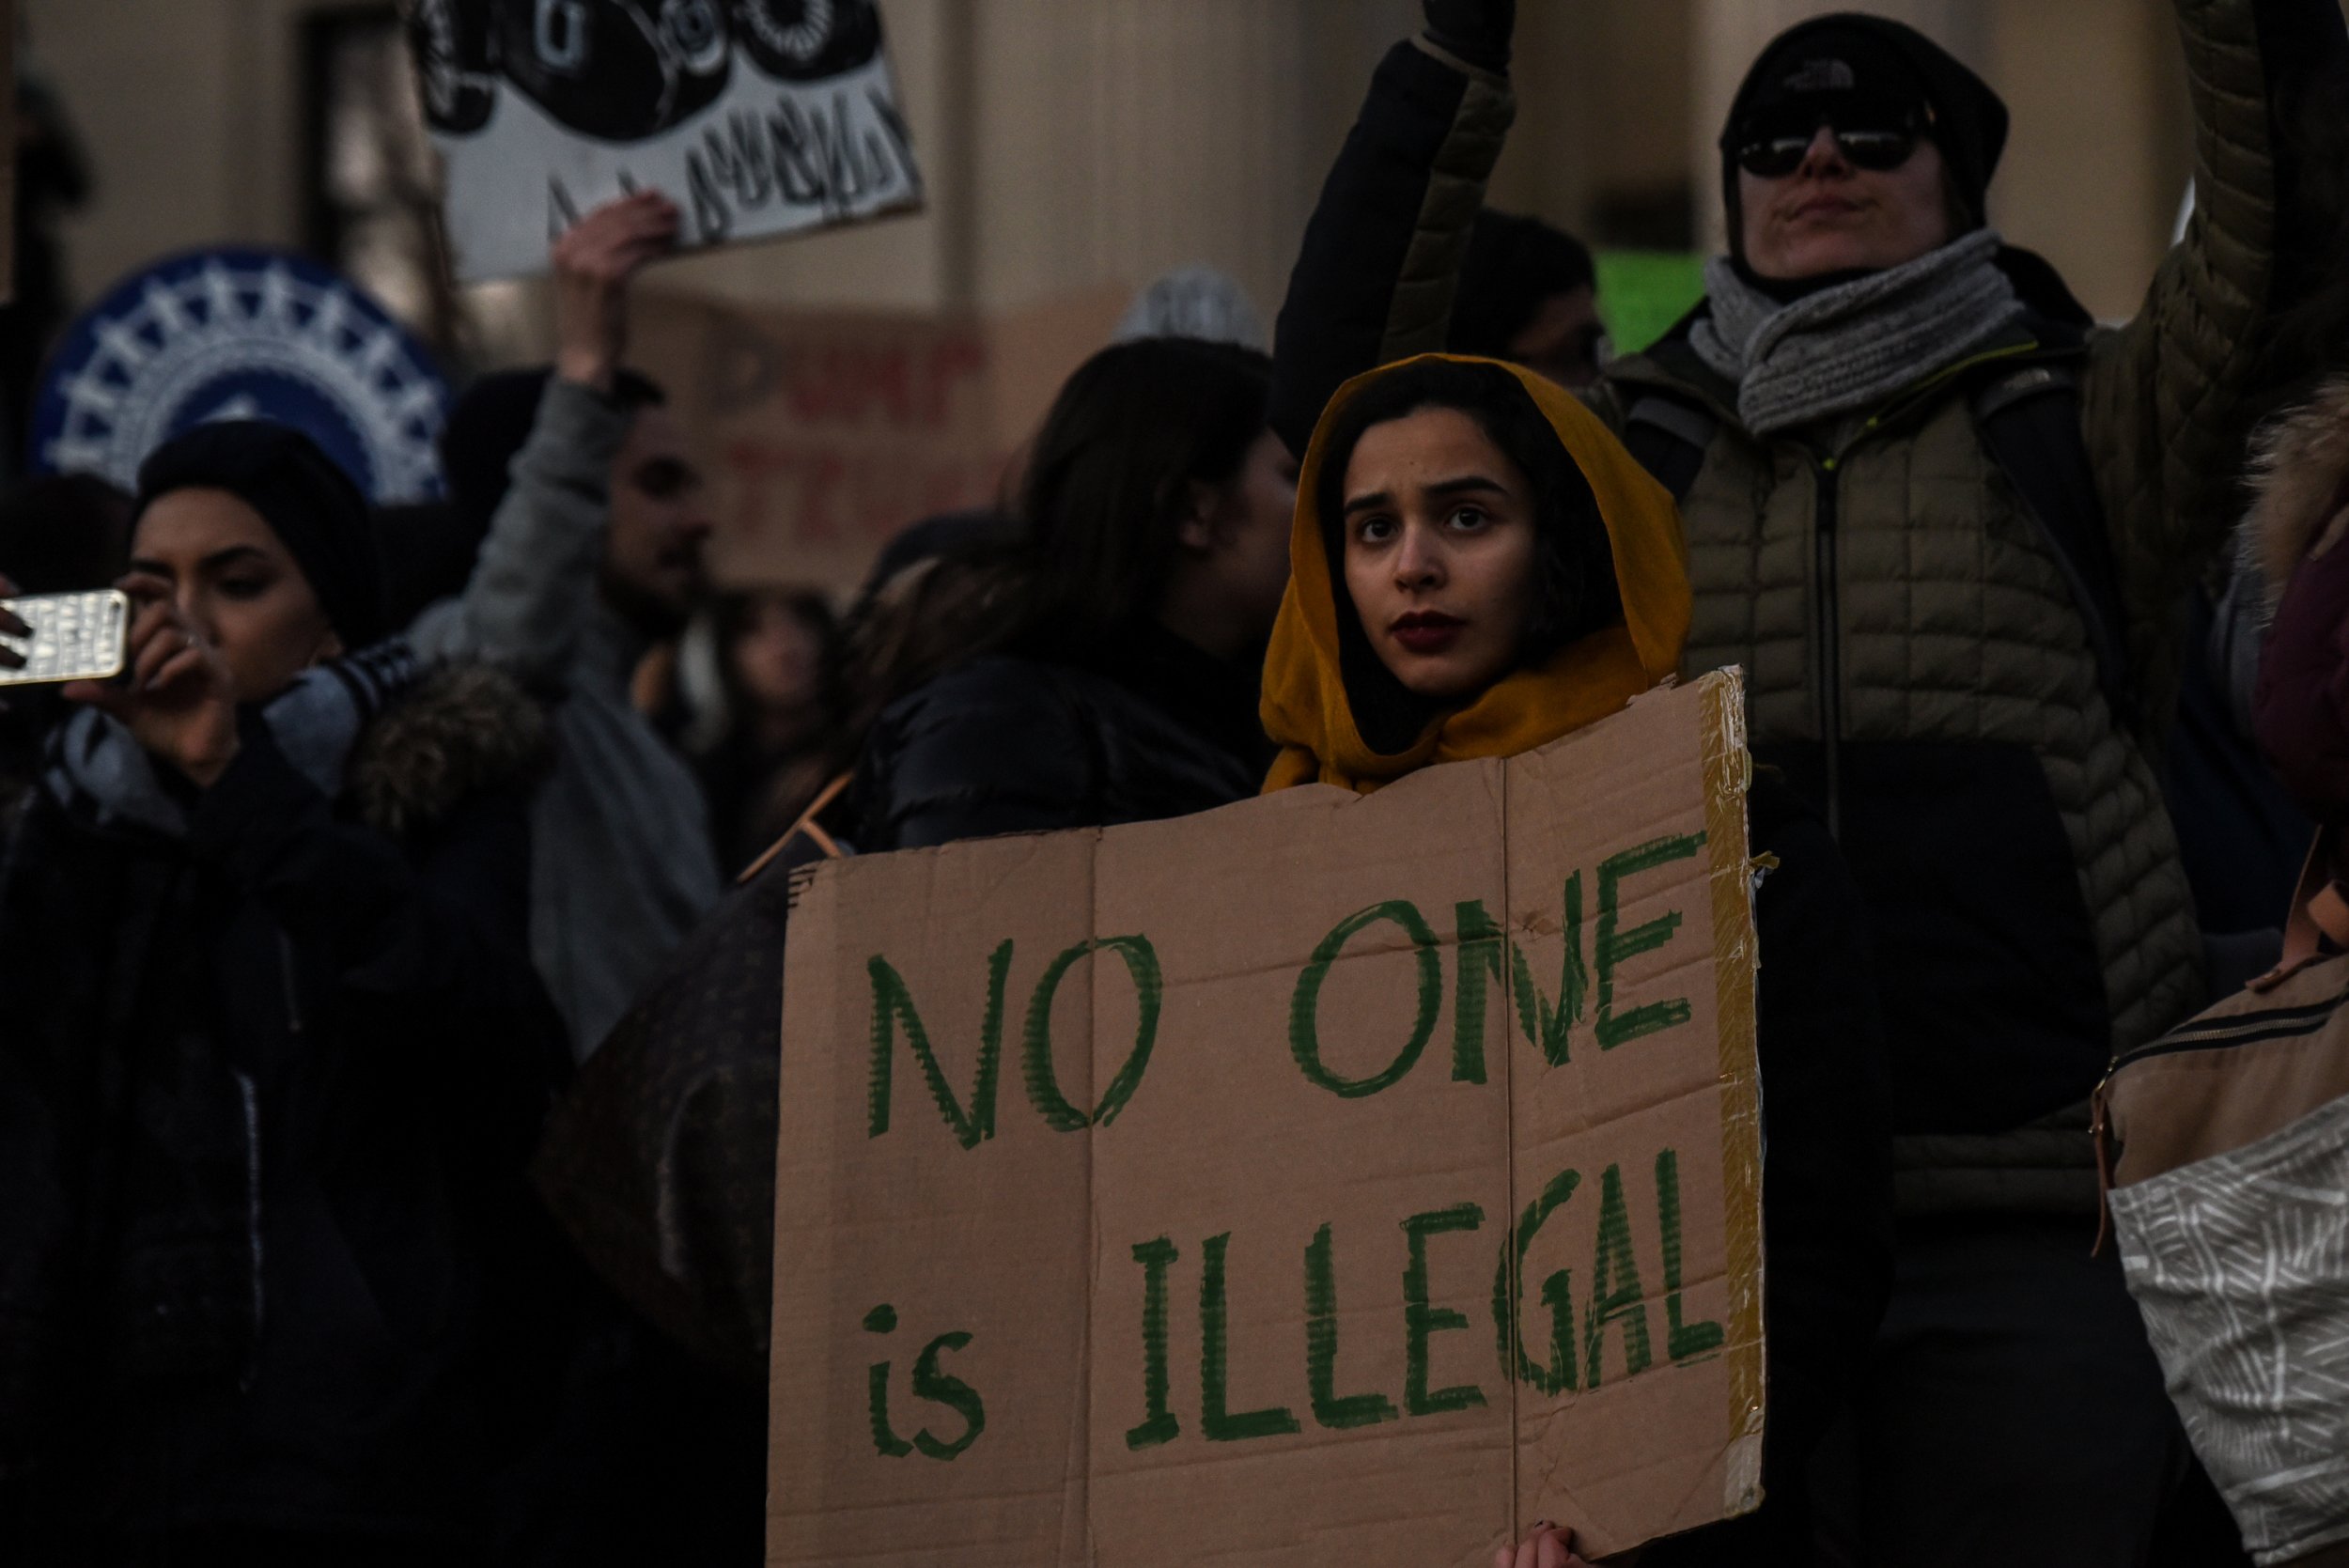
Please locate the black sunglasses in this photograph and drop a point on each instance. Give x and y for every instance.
(1774, 152)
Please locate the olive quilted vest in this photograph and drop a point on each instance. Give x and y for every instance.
(1917, 664)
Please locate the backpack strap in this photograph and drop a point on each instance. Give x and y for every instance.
(2030, 423)
(1667, 437)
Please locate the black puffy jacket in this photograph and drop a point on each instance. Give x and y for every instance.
(1010, 744)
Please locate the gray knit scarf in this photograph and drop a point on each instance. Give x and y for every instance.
(102, 778)
(1857, 342)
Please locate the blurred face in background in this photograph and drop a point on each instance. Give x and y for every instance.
(1562, 341)
(778, 657)
(652, 562)
(237, 584)
(1831, 215)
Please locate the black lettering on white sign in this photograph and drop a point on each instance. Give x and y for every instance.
(758, 116)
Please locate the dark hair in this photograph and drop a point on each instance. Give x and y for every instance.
(1577, 593)
(1109, 479)
(1514, 264)
(933, 538)
(731, 617)
(1092, 534)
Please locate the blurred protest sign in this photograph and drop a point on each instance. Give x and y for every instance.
(1643, 293)
(756, 116)
(1322, 1179)
(825, 432)
(242, 333)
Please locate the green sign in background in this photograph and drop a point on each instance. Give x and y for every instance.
(1642, 293)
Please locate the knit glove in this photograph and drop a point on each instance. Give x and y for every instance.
(1476, 31)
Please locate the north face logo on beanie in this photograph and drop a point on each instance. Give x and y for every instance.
(1820, 76)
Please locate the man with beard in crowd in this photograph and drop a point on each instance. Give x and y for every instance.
(1941, 520)
(595, 526)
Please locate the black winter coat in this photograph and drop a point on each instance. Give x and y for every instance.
(265, 1094)
(1826, 1169)
(1009, 744)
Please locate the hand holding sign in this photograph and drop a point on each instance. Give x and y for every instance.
(1549, 1546)
(594, 264)
(756, 116)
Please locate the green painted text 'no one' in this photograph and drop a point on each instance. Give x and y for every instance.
(1483, 957)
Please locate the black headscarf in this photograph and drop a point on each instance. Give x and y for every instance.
(1873, 57)
(309, 503)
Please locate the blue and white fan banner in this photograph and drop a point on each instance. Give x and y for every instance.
(242, 333)
(757, 118)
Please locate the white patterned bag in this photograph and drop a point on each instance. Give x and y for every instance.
(2230, 1198)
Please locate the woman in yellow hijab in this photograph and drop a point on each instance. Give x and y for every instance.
(1478, 566)
(1502, 573)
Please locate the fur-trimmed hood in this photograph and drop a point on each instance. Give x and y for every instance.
(2299, 473)
(464, 729)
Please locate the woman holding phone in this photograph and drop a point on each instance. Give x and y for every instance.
(274, 1056)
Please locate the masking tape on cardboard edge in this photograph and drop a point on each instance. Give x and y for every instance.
(1728, 774)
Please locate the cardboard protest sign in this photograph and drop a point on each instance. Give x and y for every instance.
(826, 431)
(757, 116)
(1320, 1179)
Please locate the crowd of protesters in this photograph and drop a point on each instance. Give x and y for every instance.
(387, 1090)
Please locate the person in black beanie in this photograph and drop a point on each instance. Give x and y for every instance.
(1942, 520)
(301, 496)
(274, 1059)
(1881, 87)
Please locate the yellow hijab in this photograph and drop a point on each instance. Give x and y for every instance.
(1305, 708)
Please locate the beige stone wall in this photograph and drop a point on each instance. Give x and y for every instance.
(2102, 146)
(1073, 144)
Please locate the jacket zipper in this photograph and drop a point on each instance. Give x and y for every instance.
(1829, 661)
(1827, 471)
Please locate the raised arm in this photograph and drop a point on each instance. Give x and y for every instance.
(1373, 278)
(535, 586)
(2169, 400)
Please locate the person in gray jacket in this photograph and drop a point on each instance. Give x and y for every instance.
(593, 551)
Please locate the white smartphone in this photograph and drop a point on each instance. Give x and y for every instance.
(75, 636)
